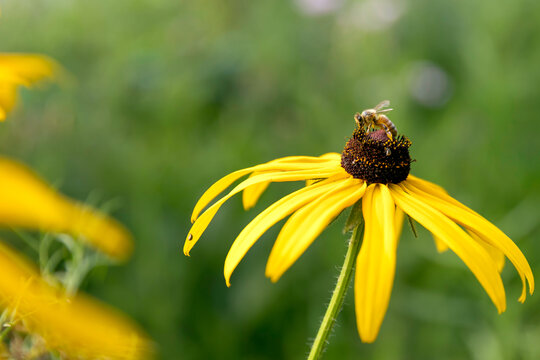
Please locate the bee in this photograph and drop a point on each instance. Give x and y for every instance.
(375, 118)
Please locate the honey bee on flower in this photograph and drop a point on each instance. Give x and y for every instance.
(373, 172)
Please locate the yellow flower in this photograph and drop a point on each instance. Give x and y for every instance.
(26, 201)
(77, 326)
(21, 69)
(374, 169)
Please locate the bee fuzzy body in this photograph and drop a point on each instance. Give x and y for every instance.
(384, 122)
(375, 117)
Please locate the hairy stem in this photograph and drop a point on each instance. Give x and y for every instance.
(338, 296)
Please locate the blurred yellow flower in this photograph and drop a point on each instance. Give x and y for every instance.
(373, 168)
(21, 69)
(26, 201)
(77, 327)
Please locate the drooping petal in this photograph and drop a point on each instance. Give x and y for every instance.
(277, 211)
(434, 189)
(439, 244)
(79, 327)
(202, 221)
(26, 201)
(472, 254)
(217, 188)
(291, 163)
(308, 222)
(376, 262)
(251, 194)
(485, 230)
(496, 254)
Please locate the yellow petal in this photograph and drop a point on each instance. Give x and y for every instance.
(8, 98)
(77, 327)
(426, 185)
(308, 222)
(251, 195)
(21, 69)
(26, 201)
(398, 222)
(28, 67)
(202, 222)
(277, 211)
(376, 262)
(496, 254)
(217, 188)
(485, 230)
(331, 156)
(431, 188)
(291, 163)
(439, 244)
(472, 254)
(309, 159)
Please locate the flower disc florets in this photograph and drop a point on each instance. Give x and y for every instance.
(375, 158)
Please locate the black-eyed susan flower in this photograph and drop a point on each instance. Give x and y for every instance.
(21, 70)
(374, 169)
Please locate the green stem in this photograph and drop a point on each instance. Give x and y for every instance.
(338, 296)
(5, 331)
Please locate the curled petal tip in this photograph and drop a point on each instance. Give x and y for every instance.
(186, 250)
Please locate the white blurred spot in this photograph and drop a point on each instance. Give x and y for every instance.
(373, 15)
(318, 7)
(429, 84)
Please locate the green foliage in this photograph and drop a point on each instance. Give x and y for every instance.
(164, 97)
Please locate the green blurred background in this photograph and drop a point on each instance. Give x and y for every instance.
(165, 97)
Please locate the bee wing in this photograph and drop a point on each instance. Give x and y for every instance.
(381, 105)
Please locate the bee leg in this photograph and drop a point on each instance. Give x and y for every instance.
(388, 132)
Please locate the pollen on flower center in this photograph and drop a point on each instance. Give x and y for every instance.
(375, 158)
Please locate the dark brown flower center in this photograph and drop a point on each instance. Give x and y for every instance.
(375, 158)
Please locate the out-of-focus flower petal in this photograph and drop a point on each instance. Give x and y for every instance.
(21, 69)
(26, 201)
(78, 326)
